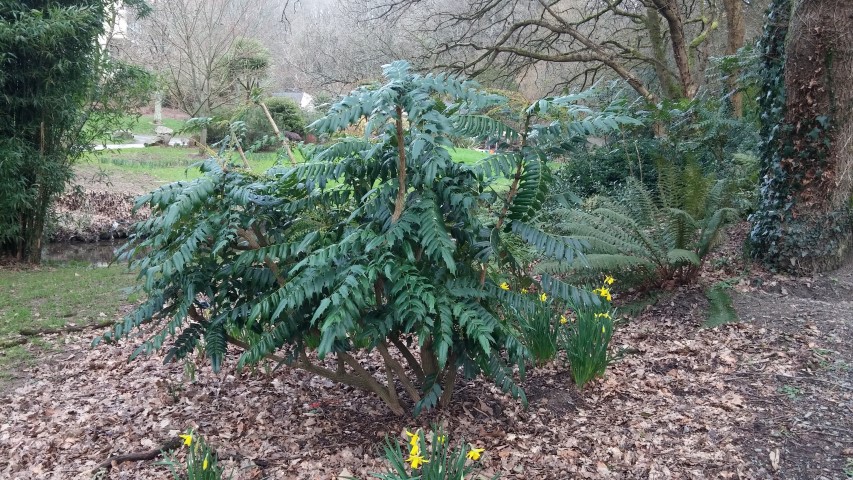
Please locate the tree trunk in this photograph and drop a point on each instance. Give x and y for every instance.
(669, 10)
(736, 34)
(668, 86)
(807, 179)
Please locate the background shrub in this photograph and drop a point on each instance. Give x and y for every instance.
(287, 115)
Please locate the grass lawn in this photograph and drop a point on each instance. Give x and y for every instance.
(170, 164)
(467, 155)
(54, 295)
(167, 164)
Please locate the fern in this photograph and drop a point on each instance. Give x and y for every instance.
(720, 310)
(644, 238)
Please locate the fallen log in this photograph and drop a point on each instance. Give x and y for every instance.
(167, 446)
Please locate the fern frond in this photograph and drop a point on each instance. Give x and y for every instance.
(532, 188)
(560, 248)
(498, 165)
(569, 293)
(720, 309)
(712, 230)
(679, 229)
(678, 257)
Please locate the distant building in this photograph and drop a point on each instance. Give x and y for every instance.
(304, 100)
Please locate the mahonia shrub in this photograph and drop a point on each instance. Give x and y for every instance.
(379, 243)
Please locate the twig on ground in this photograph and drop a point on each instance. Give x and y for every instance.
(35, 332)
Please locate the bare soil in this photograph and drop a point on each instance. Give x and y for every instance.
(769, 397)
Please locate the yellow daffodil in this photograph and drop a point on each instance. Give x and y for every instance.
(603, 292)
(474, 453)
(543, 297)
(442, 439)
(602, 329)
(204, 464)
(563, 319)
(415, 450)
(609, 280)
(413, 437)
(188, 439)
(416, 461)
(504, 286)
(524, 291)
(602, 315)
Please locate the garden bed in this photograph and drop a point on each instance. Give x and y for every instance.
(769, 397)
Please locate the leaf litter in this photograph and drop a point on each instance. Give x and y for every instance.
(769, 397)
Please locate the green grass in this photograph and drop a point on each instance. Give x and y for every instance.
(170, 164)
(51, 296)
(144, 125)
(467, 155)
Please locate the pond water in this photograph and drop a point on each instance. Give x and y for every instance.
(98, 254)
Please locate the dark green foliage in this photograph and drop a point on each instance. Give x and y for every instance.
(247, 64)
(287, 115)
(795, 228)
(441, 461)
(60, 93)
(647, 239)
(775, 197)
(720, 309)
(249, 123)
(698, 132)
(370, 245)
(540, 330)
(585, 339)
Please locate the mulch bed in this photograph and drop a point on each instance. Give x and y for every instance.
(686, 402)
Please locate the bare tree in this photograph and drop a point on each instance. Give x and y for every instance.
(188, 42)
(659, 47)
(332, 45)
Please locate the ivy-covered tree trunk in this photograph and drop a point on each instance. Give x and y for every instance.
(803, 223)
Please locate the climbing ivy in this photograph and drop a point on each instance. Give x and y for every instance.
(794, 158)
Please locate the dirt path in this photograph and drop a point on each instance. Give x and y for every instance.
(799, 374)
(684, 402)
